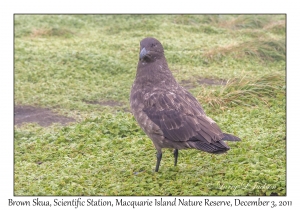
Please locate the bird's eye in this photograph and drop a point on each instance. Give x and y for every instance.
(153, 45)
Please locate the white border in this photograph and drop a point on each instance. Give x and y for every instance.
(8, 8)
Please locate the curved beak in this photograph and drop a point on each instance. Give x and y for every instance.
(143, 53)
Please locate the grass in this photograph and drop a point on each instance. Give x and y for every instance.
(64, 61)
(263, 49)
(245, 92)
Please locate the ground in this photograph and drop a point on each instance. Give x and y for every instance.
(44, 117)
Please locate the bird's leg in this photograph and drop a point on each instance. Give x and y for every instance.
(158, 156)
(175, 156)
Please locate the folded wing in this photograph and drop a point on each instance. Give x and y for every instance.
(182, 119)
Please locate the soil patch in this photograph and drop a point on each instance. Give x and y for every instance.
(203, 81)
(187, 84)
(43, 116)
(105, 103)
(207, 81)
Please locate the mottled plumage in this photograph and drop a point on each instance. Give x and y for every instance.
(169, 114)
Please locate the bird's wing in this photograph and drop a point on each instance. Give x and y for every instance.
(180, 117)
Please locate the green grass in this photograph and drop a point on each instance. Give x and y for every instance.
(62, 61)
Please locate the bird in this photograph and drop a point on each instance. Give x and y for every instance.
(170, 115)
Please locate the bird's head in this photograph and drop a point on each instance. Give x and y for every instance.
(150, 50)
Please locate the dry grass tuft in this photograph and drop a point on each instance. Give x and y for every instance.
(241, 21)
(233, 22)
(262, 49)
(50, 32)
(276, 27)
(278, 24)
(244, 91)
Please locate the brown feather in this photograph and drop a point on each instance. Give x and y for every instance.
(167, 112)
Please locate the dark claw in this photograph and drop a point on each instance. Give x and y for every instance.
(175, 156)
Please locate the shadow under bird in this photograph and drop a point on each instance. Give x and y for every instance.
(168, 113)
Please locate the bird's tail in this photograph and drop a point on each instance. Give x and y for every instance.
(229, 137)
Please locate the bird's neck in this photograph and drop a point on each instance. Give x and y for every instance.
(156, 74)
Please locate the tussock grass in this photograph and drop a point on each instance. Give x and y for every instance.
(245, 91)
(233, 22)
(262, 49)
(247, 21)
